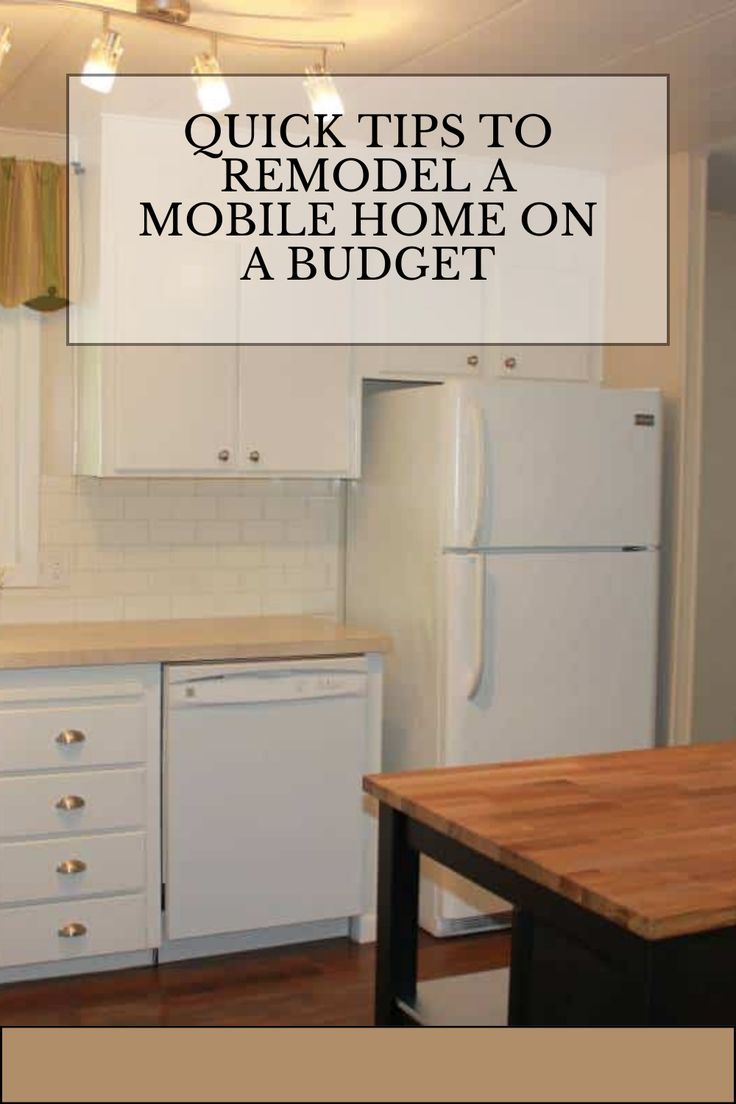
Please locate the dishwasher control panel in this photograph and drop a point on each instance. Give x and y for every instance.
(243, 683)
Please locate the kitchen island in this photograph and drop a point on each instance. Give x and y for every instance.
(621, 868)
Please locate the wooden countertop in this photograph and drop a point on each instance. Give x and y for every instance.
(644, 838)
(226, 638)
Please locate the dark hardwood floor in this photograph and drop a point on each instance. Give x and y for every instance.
(326, 984)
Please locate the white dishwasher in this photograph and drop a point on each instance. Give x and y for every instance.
(262, 803)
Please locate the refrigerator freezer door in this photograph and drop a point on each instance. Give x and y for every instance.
(565, 662)
(563, 466)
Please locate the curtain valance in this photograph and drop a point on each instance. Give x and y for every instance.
(33, 221)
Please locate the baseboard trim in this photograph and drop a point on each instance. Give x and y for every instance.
(363, 928)
(175, 950)
(96, 964)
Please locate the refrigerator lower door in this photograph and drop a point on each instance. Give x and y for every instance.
(547, 654)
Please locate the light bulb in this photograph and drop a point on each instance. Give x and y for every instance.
(102, 62)
(212, 90)
(5, 43)
(321, 91)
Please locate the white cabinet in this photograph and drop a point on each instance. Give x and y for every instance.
(574, 363)
(299, 411)
(218, 410)
(79, 813)
(173, 411)
(579, 363)
(421, 362)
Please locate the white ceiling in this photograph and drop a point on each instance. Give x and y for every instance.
(693, 40)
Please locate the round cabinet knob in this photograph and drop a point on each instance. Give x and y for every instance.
(472, 360)
(223, 455)
(71, 866)
(254, 456)
(70, 736)
(509, 363)
(72, 931)
(70, 802)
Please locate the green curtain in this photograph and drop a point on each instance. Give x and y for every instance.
(33, 217)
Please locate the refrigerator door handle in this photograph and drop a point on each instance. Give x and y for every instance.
(479, 655)
(480, 472)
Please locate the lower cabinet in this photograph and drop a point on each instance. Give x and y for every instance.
(79, 813)
(56, 932)
(266, 823)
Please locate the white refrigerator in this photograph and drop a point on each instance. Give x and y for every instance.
(507, 535)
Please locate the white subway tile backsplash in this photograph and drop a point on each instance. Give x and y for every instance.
(103, 509)
(240, 555)
(284, 508)
(146, 556)
(99, 609)
(155, 607)
(216, 532)
(193, 508)
(159, 548)
(238, 508)
(193, 555)
(262, 532)
(116, 532)
(172, 532)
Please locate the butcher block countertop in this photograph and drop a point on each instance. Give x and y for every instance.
(225, 638)
(644, 838)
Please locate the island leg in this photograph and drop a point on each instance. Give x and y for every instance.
(398, 897)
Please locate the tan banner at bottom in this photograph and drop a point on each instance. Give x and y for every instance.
(354, 1064)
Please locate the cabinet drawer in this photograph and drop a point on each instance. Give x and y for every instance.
(112, 925)
(111, 799)
(94, 864)
(61, 736)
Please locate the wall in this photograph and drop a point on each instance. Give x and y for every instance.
(147, 548)
(666, 367)
(714, 693)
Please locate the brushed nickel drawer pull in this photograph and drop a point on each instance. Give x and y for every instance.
(71, 866)
(70, 736)
(71, 801)
(72, 931)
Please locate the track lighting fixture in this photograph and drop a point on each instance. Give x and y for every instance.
(212, 90)
(321, 90)
(5, 43)
(104, 54)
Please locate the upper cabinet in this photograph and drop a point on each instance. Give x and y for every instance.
(299, 411)
(574, 363)
(409, 362)
(217, 410)
(579, 363)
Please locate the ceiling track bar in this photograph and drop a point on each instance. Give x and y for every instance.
(256, 41)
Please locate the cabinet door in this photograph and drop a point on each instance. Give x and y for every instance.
(579, 363)
(174, 409)
(299, 411)
(417, 361)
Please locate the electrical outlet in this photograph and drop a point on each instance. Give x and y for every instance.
(54, 569)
